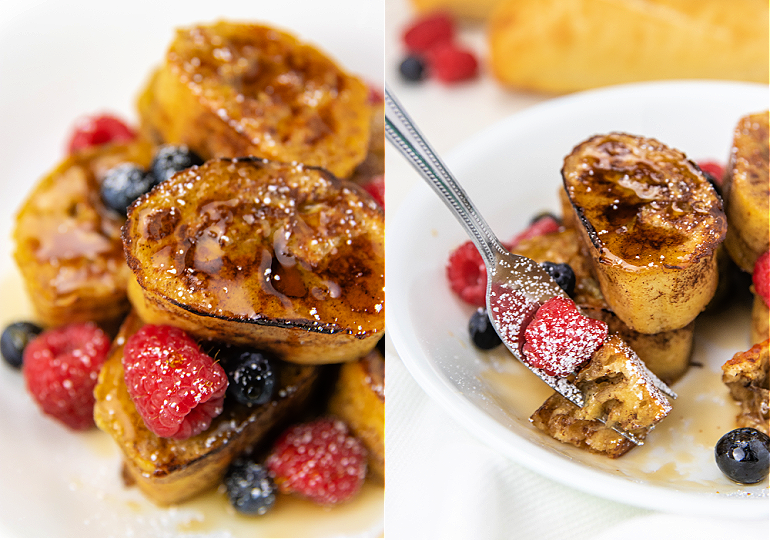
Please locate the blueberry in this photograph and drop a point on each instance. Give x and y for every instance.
(562, 274)
(14, 340)
(251, 375)
(123, 185)
(171, 159)
(482, 331)
(743, 455)
(412, 69)
(249, 487)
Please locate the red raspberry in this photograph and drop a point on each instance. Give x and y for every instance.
(319, 460)
(467, 274)
(543, 225)
(61, 367)
(95, 130)
(428, 31)
(376, 188)
(761, 277)
(176, 388)
(716, 170)
(560, 339)
(449, 63)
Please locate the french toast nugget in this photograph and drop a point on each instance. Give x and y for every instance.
(746, 375)
(171, 471)
(651, 223)
(666, 354)
(67, 242)
(359, 400)
(616, 386)
(746, 191)
(234, 89)
(282, 257)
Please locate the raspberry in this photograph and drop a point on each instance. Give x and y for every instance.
(544, 224)
(376, 188)
(176, 388)
(713, 169)
(467, 274)
(560, 339)
(429, 31)
(449, 63)
(61, 366)
(318, 460)
(96, 130)
(761, 277)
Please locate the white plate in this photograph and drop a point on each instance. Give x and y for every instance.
(511, 171)
(58, 61)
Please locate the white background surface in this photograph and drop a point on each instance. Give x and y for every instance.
(440, 477)
(60, 60)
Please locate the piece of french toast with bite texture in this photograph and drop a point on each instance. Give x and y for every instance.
(233, 89)
(746, 375)
(359, 400)
(68, 246)
(616, 386)
(666, 354)
(169, 470)
(651, 222)
(282, 257)
(746, 191)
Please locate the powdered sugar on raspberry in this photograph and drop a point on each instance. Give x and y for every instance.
(176, 388)
(560, 339)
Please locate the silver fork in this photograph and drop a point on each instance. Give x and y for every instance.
(507, 273)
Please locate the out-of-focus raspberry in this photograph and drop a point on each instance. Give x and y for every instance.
(97, 130)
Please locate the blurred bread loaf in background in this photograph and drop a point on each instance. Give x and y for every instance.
(560, 46)
(465, 9)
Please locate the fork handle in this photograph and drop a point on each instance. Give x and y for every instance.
(404, 135)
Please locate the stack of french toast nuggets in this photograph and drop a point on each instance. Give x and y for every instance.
(272, 243)
(649, 240)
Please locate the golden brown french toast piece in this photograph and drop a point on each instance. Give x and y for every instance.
(68, 245)
(746, 191)
(746, 375)
(359, 400)
(651, 223)
(666, 354)
(171, 470)
(616, 386)
(374, 163)
(234, 89)
(285, 258)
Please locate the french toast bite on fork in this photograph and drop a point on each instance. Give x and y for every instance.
(651, 223)
(746, 374)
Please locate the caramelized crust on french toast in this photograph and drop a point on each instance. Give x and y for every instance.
(359, 400)
(746, 375)
(171, 470)
(616, 386)
(232, 90)
(747, 191)
(651, 223)
(68, 245)
(666, 354)
(281, 257)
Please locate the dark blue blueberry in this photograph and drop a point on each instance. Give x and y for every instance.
(14, 340)
(482, 331)
(412, 69)
(123, 185)
(743, 455)
(251, 375)
(249, 487)
(171, 159)
(562, 274)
